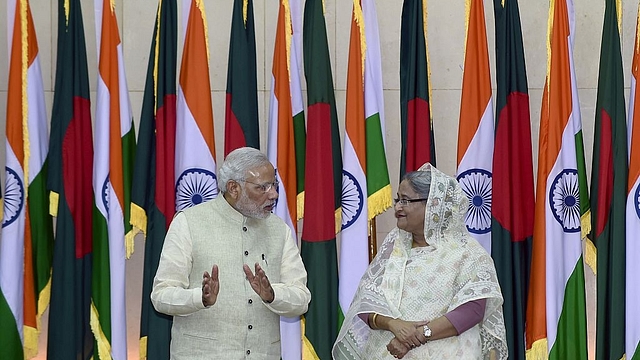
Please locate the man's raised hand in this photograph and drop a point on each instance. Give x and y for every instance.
(259, 283)
(210, 287)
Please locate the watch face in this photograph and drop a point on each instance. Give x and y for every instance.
(427, 332)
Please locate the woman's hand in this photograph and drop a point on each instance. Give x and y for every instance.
(397, 348)
(409, 333)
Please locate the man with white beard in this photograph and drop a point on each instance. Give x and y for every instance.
(229, 268)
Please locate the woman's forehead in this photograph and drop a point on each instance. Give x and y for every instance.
(405, 188)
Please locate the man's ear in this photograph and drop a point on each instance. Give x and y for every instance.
(233, 189)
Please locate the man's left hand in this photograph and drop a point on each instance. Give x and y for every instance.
(259, 283)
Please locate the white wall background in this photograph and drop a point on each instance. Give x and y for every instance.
(446, 32)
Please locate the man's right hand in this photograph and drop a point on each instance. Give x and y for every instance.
(210, 287)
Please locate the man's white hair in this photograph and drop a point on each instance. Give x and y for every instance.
(237, 163)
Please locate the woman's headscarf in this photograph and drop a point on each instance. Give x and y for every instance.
(381, 286)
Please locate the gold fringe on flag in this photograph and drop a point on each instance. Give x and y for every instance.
(300, 205)
(637, 45)
(143, 348)
(104, 347)
(338, 214)
(24, 55)
(288, 31)
(54, 197)
(245, 4)
(32, 335)
(425, 16)
(619, 15)
(538, 350)
(359, 18)
(467, 12)
(129, 242)
(200, 5)
(138, 219)
(30, 346)
(549, 35)
(308, 352)
(379, 201)
(590, 256)
(155, 60)
(66, 12)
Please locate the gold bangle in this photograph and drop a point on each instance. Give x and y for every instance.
(373, 321)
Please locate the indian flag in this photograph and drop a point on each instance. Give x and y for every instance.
(286, 136)
(195, 149)
(365, 178)
(476, 131)
(556, 325)
(27, 235)
(632, 313)
(112, 175)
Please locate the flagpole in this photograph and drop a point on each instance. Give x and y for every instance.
(373, 239)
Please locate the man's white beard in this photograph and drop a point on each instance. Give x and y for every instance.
(250, 209)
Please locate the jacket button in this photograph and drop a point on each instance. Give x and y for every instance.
(244, 228)
(250, 327)
(246, 253)
(248, 352)
(250, 301)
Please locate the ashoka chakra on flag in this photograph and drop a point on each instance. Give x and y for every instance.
(13, 197)
(195, 186)
(352, 199)
(476, 184)
(564, 200)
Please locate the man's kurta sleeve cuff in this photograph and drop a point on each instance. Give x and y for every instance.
(196, 298)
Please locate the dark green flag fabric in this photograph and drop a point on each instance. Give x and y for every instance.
(70, 173)
(323, 185)
(513, 190)
(609, 177)
(153, 194)
(241, 114)
(418, 144)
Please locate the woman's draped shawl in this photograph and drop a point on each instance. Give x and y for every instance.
(474, 274)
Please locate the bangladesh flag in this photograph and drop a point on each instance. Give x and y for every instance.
(153, 192)
(418, 146)
(609, 176)
(71, 161)
(241, 116)
(323, 182)
(513, 200)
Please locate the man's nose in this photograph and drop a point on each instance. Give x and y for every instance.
(273, 193)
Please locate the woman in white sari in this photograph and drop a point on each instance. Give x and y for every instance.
(432, 290)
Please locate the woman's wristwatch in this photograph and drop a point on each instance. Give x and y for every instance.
(427, 332)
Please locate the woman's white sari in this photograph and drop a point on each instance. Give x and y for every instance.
(424, 283)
